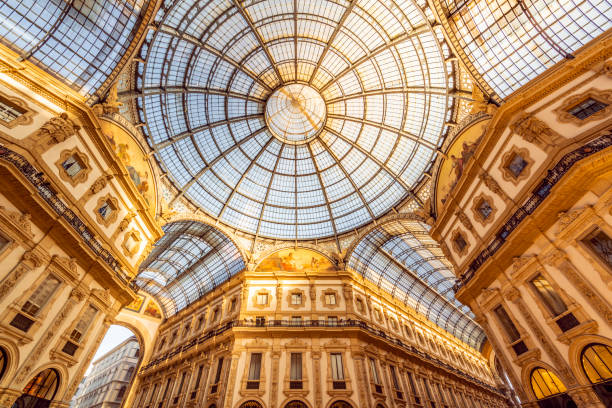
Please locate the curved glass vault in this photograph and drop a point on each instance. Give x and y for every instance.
(208, 73)
(401, 258)
(190, 260)
(81, 42)
(511, 42)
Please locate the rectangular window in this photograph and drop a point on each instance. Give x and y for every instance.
(198, 377)
(9, 111)
(337, 368)
(152, 398)
(255, 367)
(168, 383)
(72, 165)
(83, 324)
(330, 299)
(182, 383)
(296, 298)
(485, 210)
(394, 377)
(413, 388)
(106, 209)
(296, 366)
(374, 371)
(260, 321)
(41, 296)
(233, 305)
(507, 324)
(215, 315)
(262, 299)
(549, 297)
(219, 369)
(296, 320)
(601, 244)
(586, 108)
(516, 165)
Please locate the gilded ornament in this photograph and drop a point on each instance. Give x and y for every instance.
(58, 129)
(533, 130)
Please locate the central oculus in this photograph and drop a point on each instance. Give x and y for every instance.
(295, 113)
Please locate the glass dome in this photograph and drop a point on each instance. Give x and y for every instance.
(295, 120)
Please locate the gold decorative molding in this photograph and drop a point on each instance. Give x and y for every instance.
(535, 131)
(464, 220)
(82, 175)
(112, 217)
(455, 236)
(57, 130)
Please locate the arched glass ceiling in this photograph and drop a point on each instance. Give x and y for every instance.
(81, 42)
(190, 260)
(512, 41)
(210, 66)
(401, 258)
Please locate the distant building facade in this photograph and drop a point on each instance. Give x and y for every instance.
(110, 377)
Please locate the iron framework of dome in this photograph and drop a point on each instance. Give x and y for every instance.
(206, 79)
(401, 258)
(80, 42)
(190, 260)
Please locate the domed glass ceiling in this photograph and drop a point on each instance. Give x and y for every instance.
(294, 119)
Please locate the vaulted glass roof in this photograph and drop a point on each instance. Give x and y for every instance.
(79, 41)
(401, 258)
(213, 70)
(511, 42)
(190, 260)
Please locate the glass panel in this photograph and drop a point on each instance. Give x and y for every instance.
(72, 165)
(295, 130)
(296, 366)
(587, 108)
(517, 164)
(597, 362)
(83, 324)
(546, 383)
(190, 260)
(510, 42)
(255, 367)
(9, 111)
(81, 42)
(547, 294)
(401, 258)
(41, 295)
(507, 324)
(374, 371)
(337, 367)
(601, 244)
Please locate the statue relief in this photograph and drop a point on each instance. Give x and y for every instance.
(533, 130)
(58, 129)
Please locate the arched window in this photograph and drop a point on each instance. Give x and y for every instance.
(296, 404)
(251, 404)
(340, 404)
(40, 391)
(596, 362)
(3, 362)
(545, 383)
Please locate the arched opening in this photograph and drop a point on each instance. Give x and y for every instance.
(251, 404)
(3, 362)
(549, 390)
(340, 404)
(40, 390)
(110, 374)
(296, 404)
(596, 360)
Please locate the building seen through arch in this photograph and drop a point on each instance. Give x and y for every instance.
(320, 204)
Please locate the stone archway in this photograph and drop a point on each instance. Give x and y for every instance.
(340, 404)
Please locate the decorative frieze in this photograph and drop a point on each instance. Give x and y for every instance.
(57, 130)
(535, 131)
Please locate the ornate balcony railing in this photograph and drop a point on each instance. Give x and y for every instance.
(50, 196)
(553, 176)
(341, 324)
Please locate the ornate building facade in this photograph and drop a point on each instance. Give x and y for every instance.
(322, 204)
(110, 377)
